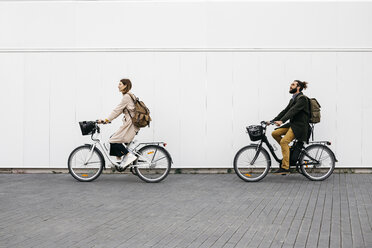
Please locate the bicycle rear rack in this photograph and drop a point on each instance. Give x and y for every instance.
(321, 142)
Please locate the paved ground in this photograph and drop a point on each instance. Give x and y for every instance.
(46, 210)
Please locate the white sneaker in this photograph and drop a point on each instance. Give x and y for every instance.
(129, 158)
(122, 162)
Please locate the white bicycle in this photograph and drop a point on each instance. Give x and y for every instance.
(87, 162)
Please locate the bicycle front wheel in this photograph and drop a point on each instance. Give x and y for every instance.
(85, 164)
(153, 163)
(317, 162)
(252, 172)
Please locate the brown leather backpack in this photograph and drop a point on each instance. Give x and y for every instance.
(141, 117)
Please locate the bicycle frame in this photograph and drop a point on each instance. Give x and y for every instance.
(259, 146)
(271, 149)
(98, 142)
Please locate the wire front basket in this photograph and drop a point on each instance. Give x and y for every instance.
(255, 132)
(87, 127)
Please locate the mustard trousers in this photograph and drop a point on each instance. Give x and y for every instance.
(284, 143)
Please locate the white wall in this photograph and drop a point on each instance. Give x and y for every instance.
(231, 66)
(162, 24)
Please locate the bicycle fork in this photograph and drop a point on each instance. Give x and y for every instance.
(90, 155)
(258, 149)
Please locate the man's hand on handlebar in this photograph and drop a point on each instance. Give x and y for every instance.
(277, 123)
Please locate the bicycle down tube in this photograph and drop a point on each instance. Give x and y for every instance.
(271, 149)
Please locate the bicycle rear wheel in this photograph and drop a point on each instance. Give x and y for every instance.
(252, 172)
(153, 164)
(84, 164)
(313, 170)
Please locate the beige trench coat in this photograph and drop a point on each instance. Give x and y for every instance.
(127, 131)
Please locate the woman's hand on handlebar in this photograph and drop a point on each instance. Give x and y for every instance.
(103, 121)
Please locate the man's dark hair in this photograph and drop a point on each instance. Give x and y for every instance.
(301, 84)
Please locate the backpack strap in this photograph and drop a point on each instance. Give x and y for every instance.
(134, 101)
(312, 131)
(312, 125)
(134, 98)
(309, 103)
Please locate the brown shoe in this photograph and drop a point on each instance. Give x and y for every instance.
(281, 171)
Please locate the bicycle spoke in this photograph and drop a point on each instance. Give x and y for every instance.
(322, 167)
(324, 158)
(154, 164)
(159, 159)
(248, 171)
(98, 162)
(85, 170)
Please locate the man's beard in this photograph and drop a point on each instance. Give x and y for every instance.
(292, 91)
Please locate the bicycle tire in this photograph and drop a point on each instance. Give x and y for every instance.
(164, 170)
(304, 164)
(248, 176)
(85, 177)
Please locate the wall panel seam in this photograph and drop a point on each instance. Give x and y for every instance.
(73, 50)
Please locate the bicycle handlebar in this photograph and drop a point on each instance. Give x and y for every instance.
(103, 123)
(265, 123)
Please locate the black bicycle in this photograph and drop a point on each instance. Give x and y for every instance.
(252, 163)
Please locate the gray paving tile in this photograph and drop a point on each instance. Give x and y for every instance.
(43, 210)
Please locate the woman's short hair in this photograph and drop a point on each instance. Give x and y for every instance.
(128, 83)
